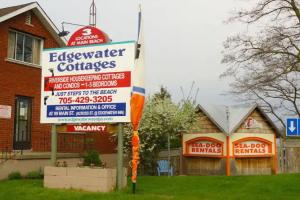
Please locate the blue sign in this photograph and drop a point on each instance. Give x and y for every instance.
(87, 110)
(293, 127)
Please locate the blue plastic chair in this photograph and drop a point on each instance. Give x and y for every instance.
(164, 167)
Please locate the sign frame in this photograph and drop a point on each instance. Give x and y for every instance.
(207, 139)
(254, 139)
(117, 59)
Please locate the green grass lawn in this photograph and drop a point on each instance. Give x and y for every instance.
(179, 187)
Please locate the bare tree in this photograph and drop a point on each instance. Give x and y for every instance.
(265, 65)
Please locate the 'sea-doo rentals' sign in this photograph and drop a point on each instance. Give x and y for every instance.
(204, 147)
(252, 148)
(87, 84)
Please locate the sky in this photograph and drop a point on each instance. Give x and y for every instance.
(183, 39)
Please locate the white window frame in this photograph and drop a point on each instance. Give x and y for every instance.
(14, 60)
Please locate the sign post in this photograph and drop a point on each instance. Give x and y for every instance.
(53, 145)
(120, 157)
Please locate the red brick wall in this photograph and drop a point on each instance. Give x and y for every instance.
(101, 142)
(18, 79)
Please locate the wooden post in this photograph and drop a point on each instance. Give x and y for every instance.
(169, 156)
(180, 161)
(282, 169)
(275, 168)
(53, 145)
(227, 157)
(120, 157)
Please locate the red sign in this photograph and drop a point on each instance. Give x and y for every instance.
(252, 147)
(87, 35)
(204, 146)
(88, 81)
(86, 128)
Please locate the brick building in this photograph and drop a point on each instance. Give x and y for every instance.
(24, 31)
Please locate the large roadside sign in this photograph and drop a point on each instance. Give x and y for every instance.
(293, 127)
(87, 84)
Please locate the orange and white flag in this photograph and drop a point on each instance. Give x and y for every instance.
(137, 101)
(138, 80)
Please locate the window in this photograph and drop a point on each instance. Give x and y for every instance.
(24, 47)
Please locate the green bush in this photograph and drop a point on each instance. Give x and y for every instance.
(92, 158)
(14, 175)
(34, 175)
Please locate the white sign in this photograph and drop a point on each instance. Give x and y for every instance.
(5, 111)
(206, 148)
(252, 148)
(87, 84)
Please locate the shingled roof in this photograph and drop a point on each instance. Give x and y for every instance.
(229, 118)
(10, 12)
(5, 11)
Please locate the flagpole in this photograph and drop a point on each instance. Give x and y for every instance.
(135, 158)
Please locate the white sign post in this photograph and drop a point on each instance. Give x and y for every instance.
(87, 84)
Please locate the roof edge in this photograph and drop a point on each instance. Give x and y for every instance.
(277, 131)
(35, 6)
(254, 106)
(30, 6)
(212, 119)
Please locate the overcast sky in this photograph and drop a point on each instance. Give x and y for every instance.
(183, 38)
